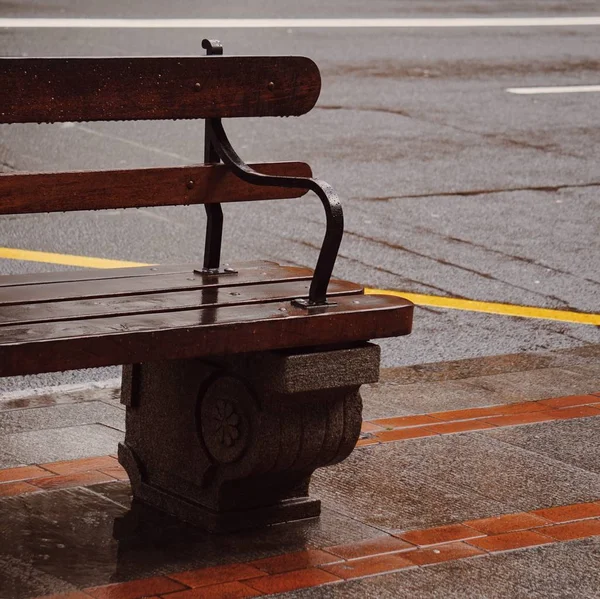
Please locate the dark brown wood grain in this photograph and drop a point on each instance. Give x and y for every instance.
(97, 190)
(96, 342)
(258, 273)
(49, 90)
(90, 274)
(166, 301)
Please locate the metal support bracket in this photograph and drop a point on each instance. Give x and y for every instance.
(214, 212)
(218, 147)
(216, 271)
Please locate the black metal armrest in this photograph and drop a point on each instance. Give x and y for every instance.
(329, 198)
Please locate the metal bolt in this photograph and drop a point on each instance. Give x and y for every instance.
(197, 87)
(189, 184)
(235, 293)
(271, 86)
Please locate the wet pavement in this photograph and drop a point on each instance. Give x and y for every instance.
(67, 524)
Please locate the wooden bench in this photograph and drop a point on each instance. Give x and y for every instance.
(239, 382)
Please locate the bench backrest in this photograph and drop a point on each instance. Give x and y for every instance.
(212, 87)
(50, 90)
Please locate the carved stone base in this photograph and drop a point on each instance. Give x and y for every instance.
(231, 443)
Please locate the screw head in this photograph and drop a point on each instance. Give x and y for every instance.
(197, 86)
(271, 86)
(189, 184)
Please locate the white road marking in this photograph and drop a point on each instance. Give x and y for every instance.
(565, 89)
(83, 23)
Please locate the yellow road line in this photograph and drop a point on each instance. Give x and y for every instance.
(417, 298)
(64, 259)
(493, 307)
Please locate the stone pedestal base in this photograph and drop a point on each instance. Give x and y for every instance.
(231, 443)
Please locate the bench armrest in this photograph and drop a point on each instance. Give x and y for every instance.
(329, 198)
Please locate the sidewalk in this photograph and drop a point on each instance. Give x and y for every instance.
(474, 478)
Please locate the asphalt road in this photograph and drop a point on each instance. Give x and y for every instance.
(451, 185)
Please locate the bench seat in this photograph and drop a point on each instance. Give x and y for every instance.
(84, 319)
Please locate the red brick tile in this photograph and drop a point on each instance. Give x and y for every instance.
(18, 488)
(468, 414)
(227, 590)
(570, 400)
(524, 407)
(575, 412)
(299, 560)
(517, 419)
(506, 523)
(440, 534)
(366, 442)
(378, 546)
(73, 595)
(136, 588)
(79, 479)
(290, 581)
(216, 575)
(117, 472)
(74, 466)
(511, 540)
(369, 427)
(21, 473)
(566, 513)
(368, 566)
(403, 433)
(404, 421)
(462, 426)
(441, 553)
(572, 530)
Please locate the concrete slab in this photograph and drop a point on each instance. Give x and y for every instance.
(61, 416)
(62, 443)
(391, 398)
(378, 486)
(575, 442)
(438, 480)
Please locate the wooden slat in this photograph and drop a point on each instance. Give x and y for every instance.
(166, 302)
(211, 331)
(22, 193)
(260, 273)
(89, 274)
(49, 90)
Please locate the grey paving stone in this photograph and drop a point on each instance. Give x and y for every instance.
(536, 384)
(65, 534)
(387, 400)
(7, 460)
(520, 478)
(55, 396)
(62, 415)
(490, 365)
(576, 442)
(554, 571)
(592, 370)
(20, 578)
(51, 445)
(379, 486)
